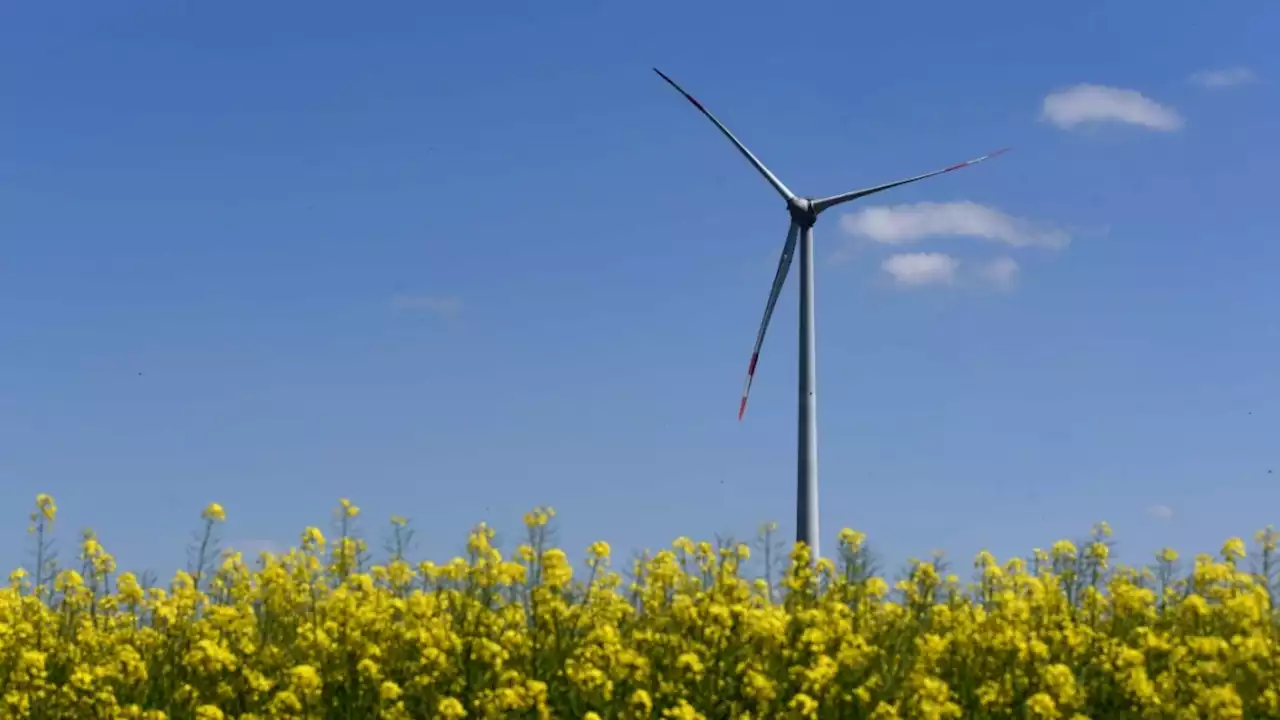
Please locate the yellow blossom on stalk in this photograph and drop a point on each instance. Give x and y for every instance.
(213, 512)
(450, 709)
(825, 566)
(885, 711)
(209, 712)
(852, 539)
(348, 510)
(1099, 551)
(877, 587)
(689, 663)
(312, 538)
(1233, 549)
(556, 570)
(46, 507)
(694, 631)
(1064, 549)
(1041, 705)
(538, 517)
(389, 691)
(803, 706)
(480, 540)
(305, 677)
(641, 702)
(683, 711)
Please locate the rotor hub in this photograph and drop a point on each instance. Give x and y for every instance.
(802, 212)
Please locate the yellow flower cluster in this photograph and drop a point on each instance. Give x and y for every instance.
(320, 632)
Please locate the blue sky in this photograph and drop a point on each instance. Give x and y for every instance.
(453, 260)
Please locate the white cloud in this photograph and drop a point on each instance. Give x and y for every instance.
(917, 269)
(1161, 512)
(1001, 272)
(1226, 77)
(902, 224)
(1086, 103)
(434, 304)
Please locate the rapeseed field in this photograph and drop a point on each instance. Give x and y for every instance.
(688, 632)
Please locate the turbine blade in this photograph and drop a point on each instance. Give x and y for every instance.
(773, 180)
(779, 279)
(824, 203)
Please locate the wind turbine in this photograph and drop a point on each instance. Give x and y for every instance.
(804, 213)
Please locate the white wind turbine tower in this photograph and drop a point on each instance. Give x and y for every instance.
(804, 213)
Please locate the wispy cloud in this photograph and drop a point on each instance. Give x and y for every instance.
(903, 224)
(1223, 78)
(1160, 512)
(434, 304)
(1086, 103)
(919, 269)
(1001, 272)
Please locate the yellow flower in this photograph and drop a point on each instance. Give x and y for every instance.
(885, 711)
(1064, 549)
(312, 537)
(538, 517)
(450, 709)
(852, 539)
(877, 587)
(389, 691)
(1041, 705)
(690, 633)
(1268, 539)
(556, 570)
(213, 512)
(1099, 551)
(599, 550)
(305, 677)
(690, 663)
(1233, 549)
(683, 711)
(368, 668)
(208, 712)
(803, 706)
(48, 510)
(348, 510)
(641, 702)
